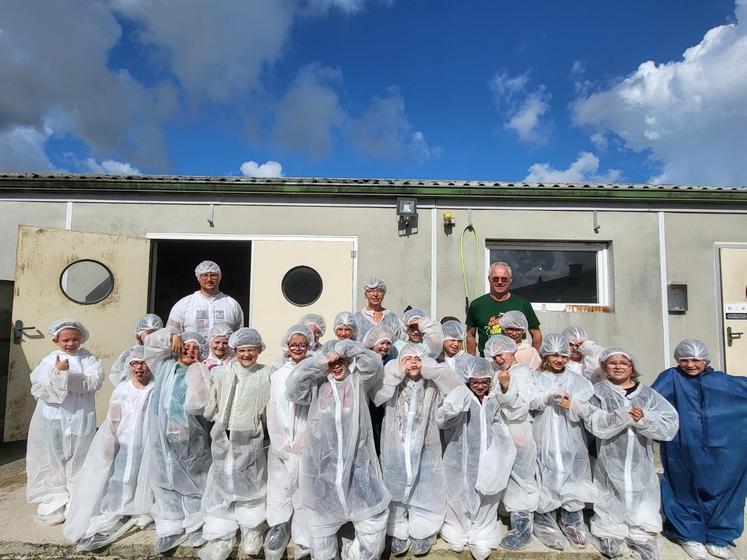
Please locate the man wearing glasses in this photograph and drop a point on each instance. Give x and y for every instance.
(485, 312)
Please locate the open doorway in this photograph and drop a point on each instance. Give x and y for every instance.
(173, 263)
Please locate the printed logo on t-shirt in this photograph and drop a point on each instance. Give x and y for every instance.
(219, 315)
(201, 314)
(493, 328)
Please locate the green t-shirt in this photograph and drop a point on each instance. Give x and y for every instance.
(485, 312)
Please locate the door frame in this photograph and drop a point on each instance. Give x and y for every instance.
(717, 246)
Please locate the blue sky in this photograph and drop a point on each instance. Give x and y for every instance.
(573, 91)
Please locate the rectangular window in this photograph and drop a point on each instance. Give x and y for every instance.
(556, 275)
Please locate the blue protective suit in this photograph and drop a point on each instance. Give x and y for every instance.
(705, 465)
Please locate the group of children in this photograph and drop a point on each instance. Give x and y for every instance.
(391, 427)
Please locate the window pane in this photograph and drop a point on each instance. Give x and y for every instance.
(551, 275)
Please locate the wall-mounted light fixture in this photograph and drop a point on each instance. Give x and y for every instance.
(677, 298)
(407, 216)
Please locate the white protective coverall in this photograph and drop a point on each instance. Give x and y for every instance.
(120, 370)
(477, 462)
(590, 352)
(340, 476)
(61, 429)
(113, 483)
(411, 459)
(433, 335)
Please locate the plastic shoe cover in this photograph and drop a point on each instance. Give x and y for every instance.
(91, 543)
(421, 547)
(349, 550)
(725, 552)
(644, 549)
(218, 549)
(277, 540)
(54, 518)
(572, 525)
(251, 541)
(695, 550)
(196, 539)
(479, 552)
(299, 551)
(520, 534)
(547, 531)
(399, 546)
(608, 546)
(167, 543)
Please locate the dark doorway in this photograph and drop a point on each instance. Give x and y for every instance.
(173, 265)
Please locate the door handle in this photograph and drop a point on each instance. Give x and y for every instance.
(732, 336)
(18, 329)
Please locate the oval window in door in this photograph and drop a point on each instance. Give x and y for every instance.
(86, 282)
(302, 285)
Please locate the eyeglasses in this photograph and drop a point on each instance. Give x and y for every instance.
(301, 346)
(503, 279)
(205, 275)
(485, 381)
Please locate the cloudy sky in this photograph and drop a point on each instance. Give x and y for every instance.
(537, 90)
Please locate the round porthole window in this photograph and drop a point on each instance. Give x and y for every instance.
(302, 285)
(86, 282)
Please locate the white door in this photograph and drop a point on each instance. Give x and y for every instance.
(106, 280)
(734, 308)
(273, 311)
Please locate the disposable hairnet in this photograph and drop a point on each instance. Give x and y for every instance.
(554, 343)
(612, 350)
(137, 354)
(513, 320)
(296, 329)
(478, 368)
(377, 333)
(575, 334)
(246, 336)
(207, 266)
(314, 319)
(219, 329)
(345, 319)
(410, 350)
(499, 344)
(692, 348)
(373, 283)
(191, 336)
(453, 330)
(412, 314)
(148, 322)
(56, 326)
(329, 347)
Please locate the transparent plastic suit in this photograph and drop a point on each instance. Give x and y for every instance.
(564, 470)
(525, 353)
(235, 492)
(590, 352)
(120, 371)
(705, 466)
(286, 424)
(62, 426)
(179, 438)
(477, 463)
(113, 483)
(340, 476)
(433, 336)
(624, 473)
(411, 446)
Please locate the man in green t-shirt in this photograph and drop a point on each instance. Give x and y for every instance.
(485, 311)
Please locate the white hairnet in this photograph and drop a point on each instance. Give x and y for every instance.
(191, 336)
(412, 314)
(611, 351)
(478, 368)
(513, 320)
(147, 322)
(314, 319)
(410, 350)
(219, 329)
(377, 333)
(56, 326)
(554, 343)
(345, 319)
(246, 336)
(575, 334)
(373, 283)
(499, 344)
(453, 330)
(207, 266)
(137, 354)
(296, 329)
(693, 349)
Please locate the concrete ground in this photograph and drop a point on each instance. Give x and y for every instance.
(21, 537)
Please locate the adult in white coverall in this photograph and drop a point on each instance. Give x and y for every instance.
(147, 324)
(453, 354)
(179, 438)
(514, 325)
(340, 478)
(374, 289)
(423, 332)
(235, 491)
(112, 493)
(477, 461)
(64, 422)
(584, 358)
(286, 422)
(627, 417)
(513, 391)
(563, 458)
(412, 388)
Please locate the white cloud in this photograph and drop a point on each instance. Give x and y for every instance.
(584, 169)
(690, 116)
(110, 167)
(22, 149)
(268, 169)
(523, 111)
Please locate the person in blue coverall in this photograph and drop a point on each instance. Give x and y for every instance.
(705, 465)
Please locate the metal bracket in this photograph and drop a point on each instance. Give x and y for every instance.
(18, 329)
